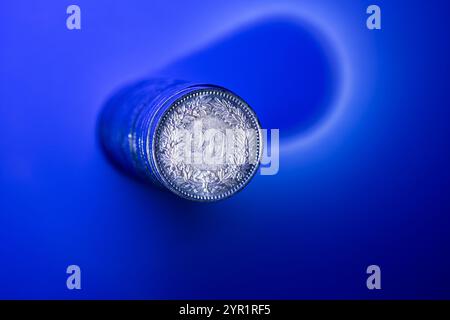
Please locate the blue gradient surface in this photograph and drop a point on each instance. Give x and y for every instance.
(364, 174)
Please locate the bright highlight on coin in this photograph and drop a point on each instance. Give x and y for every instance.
(202, 142)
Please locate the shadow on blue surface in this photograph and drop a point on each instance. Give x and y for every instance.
(280, 65)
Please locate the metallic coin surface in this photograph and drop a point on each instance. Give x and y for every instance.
(207, 145)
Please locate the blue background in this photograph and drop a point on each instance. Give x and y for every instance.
(364, 166)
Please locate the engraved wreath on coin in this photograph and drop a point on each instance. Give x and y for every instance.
(224, 112)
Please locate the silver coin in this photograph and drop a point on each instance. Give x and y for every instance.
(207, 145)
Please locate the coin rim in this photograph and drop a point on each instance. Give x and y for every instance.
(255, 123)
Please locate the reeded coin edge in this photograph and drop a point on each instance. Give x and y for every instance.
(254, 122)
